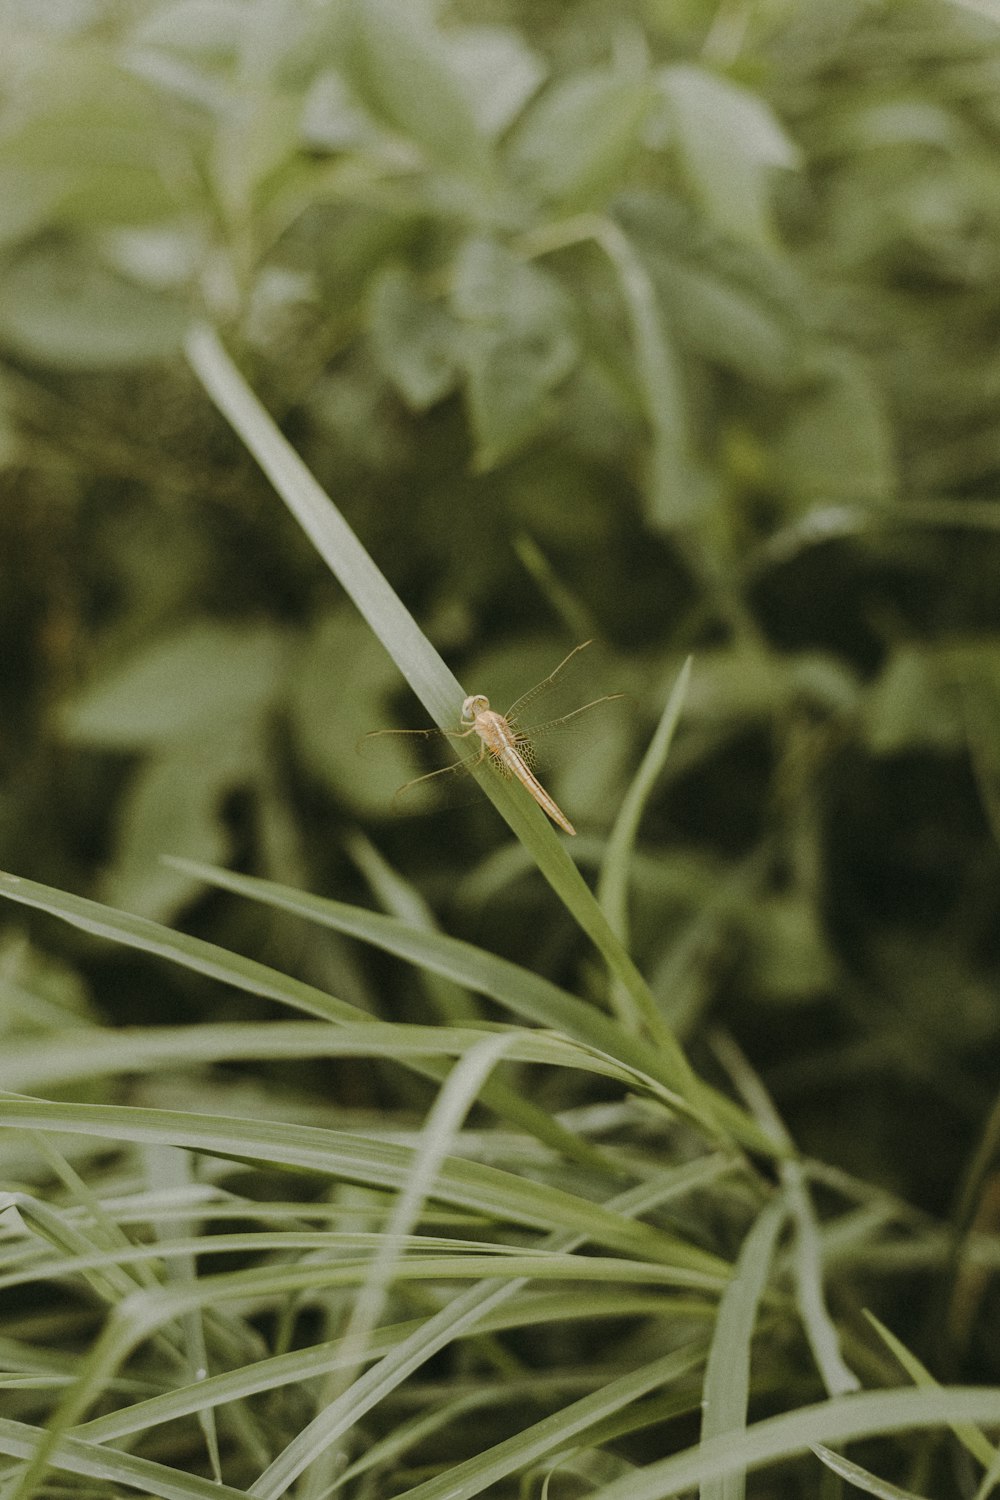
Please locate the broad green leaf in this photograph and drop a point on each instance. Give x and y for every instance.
(413, 338)
(190, 50)
(578, 139)
(174, 803)
(61, 18)
(789, 958)
(208, 50)
(338, 694)
(907, 210)
(257, 142)
(728, 140)
(81, 144)
(677, 486)
(209, 30)
(911, 704)
(839, 441)
(402, 68)
(207, 678)
(163, 256)
(61, 305)
(724, 300)
(334, 117)
(725, 323)
(30, 198)
(732, 685)
(891, 122)
(679, 490)
(497, 70)
(516, 344)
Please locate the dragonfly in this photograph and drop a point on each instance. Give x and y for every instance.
(507, 741)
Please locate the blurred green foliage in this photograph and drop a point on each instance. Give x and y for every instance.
(671, 323)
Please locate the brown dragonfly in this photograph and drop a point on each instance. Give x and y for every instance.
(508, 741)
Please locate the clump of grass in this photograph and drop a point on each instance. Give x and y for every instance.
(492, 1287)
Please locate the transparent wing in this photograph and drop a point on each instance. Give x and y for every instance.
(400, 736)
(452, 785)
(571, 721)
(556, 690)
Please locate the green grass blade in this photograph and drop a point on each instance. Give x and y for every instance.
(254, 978)
(807, 1250)
(301, 1365)
(399, 898)
(977, 1443)
(862, 1479)
(436, 1141)
(535, 999)
(727, 1376)
(841, 1419)
(807, 1259)
(437, 1138)
(74, 1455)
(672, 470)
(169, 1169)
(559, 1430)
(990, 1481)
(466, 1312)
(382, 1164)
(431, 680)
(612, 885)
(35, 1066)
(193, 953)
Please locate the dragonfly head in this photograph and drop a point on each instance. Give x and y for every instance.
(477, 704)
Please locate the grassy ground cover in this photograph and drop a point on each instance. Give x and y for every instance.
(357, 355)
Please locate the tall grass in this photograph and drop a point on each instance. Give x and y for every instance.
(542, 1268)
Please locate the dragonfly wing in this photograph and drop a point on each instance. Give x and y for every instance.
(452, 785)
(563, 675)
(400, 736)
(571, 721)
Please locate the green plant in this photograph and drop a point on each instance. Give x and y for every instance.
(669, 324)
(186, 1318)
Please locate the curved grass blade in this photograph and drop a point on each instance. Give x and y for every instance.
(525, 993)
(438, 690)
(256, 978)
(838, 1420)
